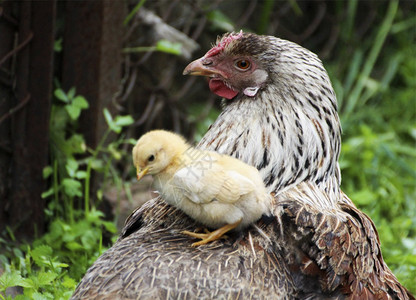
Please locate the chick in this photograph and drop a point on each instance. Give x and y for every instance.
(217, 190)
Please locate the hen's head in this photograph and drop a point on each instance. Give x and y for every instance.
(235, 64)
(245, 63)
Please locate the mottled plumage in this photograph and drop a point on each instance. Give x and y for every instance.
(217, 190)
(281, 117)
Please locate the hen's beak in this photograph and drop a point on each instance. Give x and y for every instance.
(202, 67)
(141, 173)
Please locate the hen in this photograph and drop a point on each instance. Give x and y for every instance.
(281, 117)
(216, 190)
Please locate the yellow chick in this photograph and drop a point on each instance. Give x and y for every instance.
(217, 190)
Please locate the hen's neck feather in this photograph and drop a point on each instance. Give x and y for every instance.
(290, 131)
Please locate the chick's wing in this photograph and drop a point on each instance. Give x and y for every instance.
(203, 182)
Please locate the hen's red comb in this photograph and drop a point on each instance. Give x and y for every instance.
(223, 43)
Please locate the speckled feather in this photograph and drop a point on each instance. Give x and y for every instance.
(171, 269)
(290, 131)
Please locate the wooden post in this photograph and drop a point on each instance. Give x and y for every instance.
(92, 58)
(23, 207)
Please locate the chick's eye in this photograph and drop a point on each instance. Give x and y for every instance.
(243, 64)
(151, 158)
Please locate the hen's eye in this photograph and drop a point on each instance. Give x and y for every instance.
(243, 64)
(151, 158)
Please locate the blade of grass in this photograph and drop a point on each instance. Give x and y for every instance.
(392, 68)
(133, 12)
(371, 58)
(351, 10)
(295, 7)
(352, 74)
(265, 16)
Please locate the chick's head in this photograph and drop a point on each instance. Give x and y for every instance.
(156, 150)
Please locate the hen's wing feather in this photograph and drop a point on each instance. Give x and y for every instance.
(339, 247)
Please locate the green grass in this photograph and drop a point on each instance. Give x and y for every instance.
(52, 265)
(376, 92)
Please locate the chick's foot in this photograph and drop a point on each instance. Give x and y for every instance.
(209, 236)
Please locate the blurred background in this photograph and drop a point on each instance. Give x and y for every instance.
(80, 81)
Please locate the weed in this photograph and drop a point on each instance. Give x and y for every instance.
(55, 262)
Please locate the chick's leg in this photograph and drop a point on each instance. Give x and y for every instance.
(211, 236)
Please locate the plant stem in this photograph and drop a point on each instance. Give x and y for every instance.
(87, 189)
(139, 49)
(89, 170)
(56, 183)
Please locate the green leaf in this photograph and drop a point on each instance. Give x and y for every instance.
(412, 132)
(220, 21)
(364, 197)
(41, 251)
(169, 47)
(131, 141)
(71, 93)
(57, 45)
(97, 164)
(108, 117)
(72, 188)
(71, 167)
(48, 193)
(59, 120)
(124, 120)
(45, 278)
(68, 282)
(80, 102)
(110, 122)
(47, 171)
(18, 253)
(42, 254)
(22, 297)
(73, 111)
(114, 152)
(80, 174)
(109, 226)
(13, 278)
(89, 239)
(60, 94)
(76, 144)
(4, 261)
(74, 246)
(100, 194)
(115, 128)
(39, 296)
(95, 215)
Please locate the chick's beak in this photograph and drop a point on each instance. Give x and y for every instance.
(141, 172)
(203, 67)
